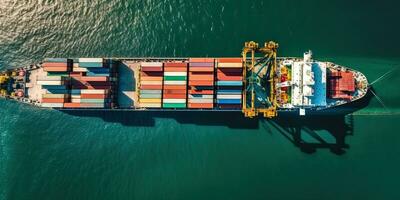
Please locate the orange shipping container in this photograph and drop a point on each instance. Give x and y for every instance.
(201, 69)
(92, 78)
(174, 91)
(151, 78)
(201, 60)
(172, 64)
(151, 87)
(202, 83)
(175, 69)
(72, 105)
(174, 87)
(201, 92)
(200, 105)
(55, 69)
(53, 100)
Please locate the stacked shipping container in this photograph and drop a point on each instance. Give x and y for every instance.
(175, 85)
(91, 84)
(229, 83)
(151, 84)
(55, 82)
(201, 83)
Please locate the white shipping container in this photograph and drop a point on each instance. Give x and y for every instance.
(175, 82)
(49, 82)
(202, 97)
(175, 73)
(174, 100)
(226, 96)
(76, 96)
(79, 69)
(150, 105)
(54, 95)
(230, 65)
(52, 105)
(201, 100)
(75, 100)
(90, 91)
(91, 60)
(50, 78)
(151, 64)
(75, 65)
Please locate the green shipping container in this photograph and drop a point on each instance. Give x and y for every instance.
(174, 78)
(62, 74)
(174, 105)
(150, 96)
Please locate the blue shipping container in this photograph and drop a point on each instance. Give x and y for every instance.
(90, 64)
(229, 101)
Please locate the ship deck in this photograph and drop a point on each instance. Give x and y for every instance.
(33, 90)
(128, 74)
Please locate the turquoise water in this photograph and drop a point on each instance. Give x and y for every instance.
(119, 155)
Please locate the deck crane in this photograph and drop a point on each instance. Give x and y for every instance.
(258, 72)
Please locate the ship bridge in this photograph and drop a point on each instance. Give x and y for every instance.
(308, 83)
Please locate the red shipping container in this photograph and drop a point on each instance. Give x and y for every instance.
(223, 77)
(174, 87)
(174, 96)
(201, 77)
(51, 64)
(75, 74)
(53, 100)
(201, 69)
(200, 105)
(201, 92)
(174, 64)
(94, 96)
(200, 60)
(202, 83)
(230, 60)
(151, 87)
(152, 69)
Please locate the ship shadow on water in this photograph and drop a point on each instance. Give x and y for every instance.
(324, 130)
(234, 120)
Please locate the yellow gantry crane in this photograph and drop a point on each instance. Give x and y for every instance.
(252, 66)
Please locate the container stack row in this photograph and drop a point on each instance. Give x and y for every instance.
(54, 82)
(229, 83)
(201, 83)
(151, 84)
(91, 84)
(175, 85)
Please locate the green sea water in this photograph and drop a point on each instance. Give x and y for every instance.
(121, 155)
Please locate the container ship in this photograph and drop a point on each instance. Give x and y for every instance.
(258, 83)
